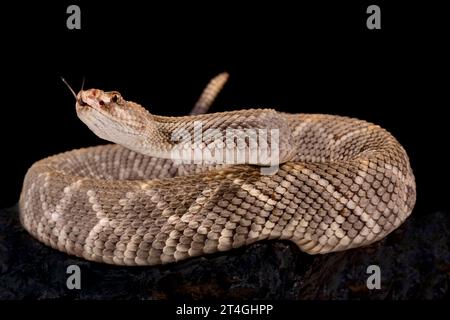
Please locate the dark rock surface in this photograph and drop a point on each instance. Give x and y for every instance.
(414, 262)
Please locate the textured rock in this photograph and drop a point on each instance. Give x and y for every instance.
(414, 262)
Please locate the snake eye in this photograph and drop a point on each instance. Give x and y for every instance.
(114, 98)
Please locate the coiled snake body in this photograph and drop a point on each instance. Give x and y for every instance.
(341, 183)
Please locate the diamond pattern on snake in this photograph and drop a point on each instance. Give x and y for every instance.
(339, 183)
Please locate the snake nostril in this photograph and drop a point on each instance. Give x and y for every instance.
(101, 102)
(81, 102)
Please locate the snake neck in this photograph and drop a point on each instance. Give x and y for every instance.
(257, 137)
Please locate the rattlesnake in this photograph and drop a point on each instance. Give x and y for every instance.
(341, 183)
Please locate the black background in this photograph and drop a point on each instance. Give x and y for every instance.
(309, 57)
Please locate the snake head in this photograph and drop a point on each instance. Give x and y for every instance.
(111, 117)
